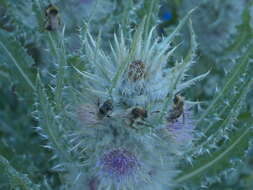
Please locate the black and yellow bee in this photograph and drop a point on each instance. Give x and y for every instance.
(52, 18)
(106, 107)
(177, 109)
(137, 117)
(139, 113)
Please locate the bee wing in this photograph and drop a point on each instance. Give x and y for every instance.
(120, 115)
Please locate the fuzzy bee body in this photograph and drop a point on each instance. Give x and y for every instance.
(139, 113)
(105, 108)
(177, 110)
(137, 116)
(53, 19)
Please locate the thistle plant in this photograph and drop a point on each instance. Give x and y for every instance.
(119, 125)
(114, 113)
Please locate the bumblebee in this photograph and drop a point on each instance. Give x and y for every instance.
(52, 18)
(139, 113)
(105, 108)
(137, 116)
(177, 110)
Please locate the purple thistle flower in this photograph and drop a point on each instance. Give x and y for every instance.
(182, 128)
(119, 164)
(93, 184)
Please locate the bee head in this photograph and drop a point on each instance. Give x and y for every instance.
(106, 107)
(51, 10)
(178, 99)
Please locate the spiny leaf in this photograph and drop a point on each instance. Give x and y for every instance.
(16, 55)
(191, 82)
(220, 127)
(244, 32)
(151, 9)
(232, 110)
(16, 179)
(179, 27)
(182, 68)
(233, 78)
(48, 122)
(212, 164)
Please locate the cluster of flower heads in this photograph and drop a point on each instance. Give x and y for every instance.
(126, 134)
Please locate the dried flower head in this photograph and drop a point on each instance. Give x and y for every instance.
(136, 70)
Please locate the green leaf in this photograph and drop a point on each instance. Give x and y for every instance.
(14, 54)
(219, 129)
(244, 32)
(232, 110)
(179, 71)
(152, 8)
(218, 161)
(48, 122)
(232, 79)
(16, 179)
(56, 44)
(175, 32)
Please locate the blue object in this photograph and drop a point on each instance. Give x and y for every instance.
(167, 16)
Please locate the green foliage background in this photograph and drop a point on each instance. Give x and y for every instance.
(38, 63)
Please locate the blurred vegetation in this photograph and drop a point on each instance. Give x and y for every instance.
(224, 35)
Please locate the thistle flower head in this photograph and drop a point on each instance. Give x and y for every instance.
(93, 184)
(136, 70)
(119, 165)
(182, 128)
(134, 81)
